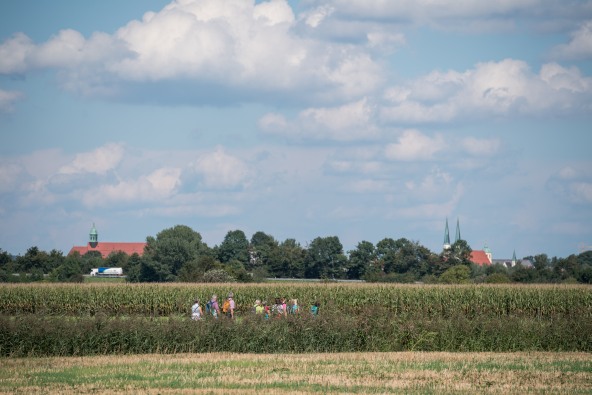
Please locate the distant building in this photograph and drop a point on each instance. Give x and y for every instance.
(106, 248)
(479, 257)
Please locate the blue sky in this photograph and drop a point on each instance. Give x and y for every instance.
(359, 119)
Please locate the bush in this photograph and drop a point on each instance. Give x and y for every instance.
(38, 335)
(497, 278)
(458, 274)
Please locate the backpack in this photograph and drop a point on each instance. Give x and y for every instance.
(226, 306)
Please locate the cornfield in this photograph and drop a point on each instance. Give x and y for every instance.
(352, 299)
(91, 319)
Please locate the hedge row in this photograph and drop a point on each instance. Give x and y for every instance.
(36, 335)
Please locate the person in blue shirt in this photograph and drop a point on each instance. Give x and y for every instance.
(314, 309)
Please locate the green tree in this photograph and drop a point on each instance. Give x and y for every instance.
(521, 274)
(190, 272)
(288, 261)
(386, 251)
(407, 257)
(541, 266)
(154, 271)
(170, 250)
(6, 265)
(584, 274)
(34, 258)
(235, 246)
(69, 271)
(565, 268)
(585, 258)
(264, 251)
(458, 254)
(117, 259)
(90, 260)
(325, 258)
(133, 268)
(361, 260)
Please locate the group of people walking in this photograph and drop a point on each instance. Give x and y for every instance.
(213, 308)
(280, 308)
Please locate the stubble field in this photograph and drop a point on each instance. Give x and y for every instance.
(367, 373)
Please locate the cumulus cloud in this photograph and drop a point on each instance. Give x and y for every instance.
(220, 170)
(155, 186)
(414, 145)
(572, 184)
(316, 16)
(580, 46)
(352, 121)
(502, 88)
(99, 161)
(7, 100)
(237, 45)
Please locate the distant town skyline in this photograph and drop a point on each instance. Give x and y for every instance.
(301, 119)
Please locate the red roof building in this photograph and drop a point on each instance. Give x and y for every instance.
(480, 257)
(106, 248)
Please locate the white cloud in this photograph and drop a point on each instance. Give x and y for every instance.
(476, 15)
(14, 53)
(572, 184)
(239, 45)
(385, 40)
(221, 170)
(580, 46)
(581, 191)
(560, 78)
(352, 121)
(7, 100)
(10, 177)
(413, 145)
(316, 16)
(99, 161)
(159, 184)
(481, 147)
(500, 88)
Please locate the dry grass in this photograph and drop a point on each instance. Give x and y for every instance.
(560, 373)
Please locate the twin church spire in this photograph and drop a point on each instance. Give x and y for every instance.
(457, 237)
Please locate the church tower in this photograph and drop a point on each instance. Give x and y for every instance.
(488, 253)
(457, 236)
(446, 237)
(93, 237)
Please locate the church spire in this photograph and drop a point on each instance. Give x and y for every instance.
(457, 237)
(446, 237)
(93, 239)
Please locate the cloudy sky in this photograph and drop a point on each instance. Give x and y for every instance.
(361, 119)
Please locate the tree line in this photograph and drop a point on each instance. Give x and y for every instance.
(180, 254)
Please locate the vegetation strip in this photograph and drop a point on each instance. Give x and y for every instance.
(561, 373)
(79, 320)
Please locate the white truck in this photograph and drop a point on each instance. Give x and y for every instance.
(107, 271)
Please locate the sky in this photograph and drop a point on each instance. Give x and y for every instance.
(362, 119)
